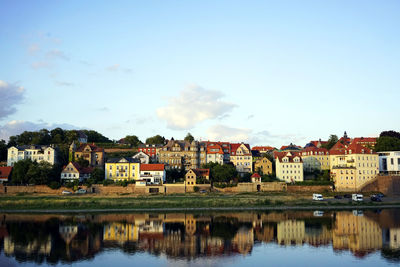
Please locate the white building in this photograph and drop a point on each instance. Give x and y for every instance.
(289, 167)
(153, 173)
(73, 172)
(35, 153)
(143, 157)
(389, 162)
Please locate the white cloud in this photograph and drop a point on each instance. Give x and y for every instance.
(55, 53)
(17, 127)
(225, 133)
(194, 104)
(33, 49)
(59, 83)
(40, 64)
(114, 67)
(10, 95)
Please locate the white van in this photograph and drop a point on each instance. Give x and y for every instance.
(317, 197)
(357, 197)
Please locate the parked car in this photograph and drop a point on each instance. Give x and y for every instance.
(338, 197)
(317, 197)
(81, 191)
(65, 192)
(347, 196)
(318, 213)
(376, 198)
(357, 197)
(203, 191)
(380, 195)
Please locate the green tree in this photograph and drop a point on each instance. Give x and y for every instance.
(390, 134)
(19, 172)
(221, 173)
(387, 143)
(133, 140)
(82, 162)
(3, 150)
(97, 176)
(155, 140)
(189, 137)
(333, 139)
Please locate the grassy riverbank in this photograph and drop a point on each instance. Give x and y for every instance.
(248, 200)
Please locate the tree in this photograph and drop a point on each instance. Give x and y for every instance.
(155, 140)
(221, 173)
(3, 150)
(390, 134)
(19, 172)
(97, 176)
(387, 143)
(82, 162)
(333, 139)
(133, 140)
(189, 138)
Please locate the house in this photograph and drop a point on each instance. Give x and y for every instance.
(352, 166)
(315, 158)
(263, 149)
(369, 142)
(142, 157)
(263, 166)
(32, 152)
(317, 144)
(74, 172)
(82, 137)
(256, 178)
(289, 166)
(177, 154)
(5, 174)
(153, 173)
(91, 153)
(151, 150)
(241, 158)
(215, 153)
(291, 147)
(122, 169)
(193, 174)
(389, 162)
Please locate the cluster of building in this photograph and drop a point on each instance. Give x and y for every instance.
(352, 163)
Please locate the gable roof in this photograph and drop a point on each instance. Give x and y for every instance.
(236, 146)
(152, 167)
(127, 159)
(364, 140)
(93, 147)
(5, 172)
(310, 150)
(79, 168)
(201, 172)
(290, 155)
(352, 148)
(263, 148)
(255, 175)
(214, 146)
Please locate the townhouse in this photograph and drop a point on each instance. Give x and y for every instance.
(389, 162)
(151, 149)
(289, 166)
(74, 172)
(90, 152)
(32, 152)
(241, 157)
(122, 169)
(263, 166)
(193, 174)
(315, 158)
(153, 173)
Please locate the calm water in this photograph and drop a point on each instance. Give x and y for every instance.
(312, 238)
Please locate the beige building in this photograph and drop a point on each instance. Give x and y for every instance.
(89, 152)
(289, 166)
(193, 174)
(315, 159)
(178, 154)
(241, 158)
(352, 166)
(32, 152)
(263, 166)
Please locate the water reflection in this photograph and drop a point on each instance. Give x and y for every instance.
(66, 239)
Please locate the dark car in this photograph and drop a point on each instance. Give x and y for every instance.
(338, 197)
(380, 195)
(347, 196)
(376, 198)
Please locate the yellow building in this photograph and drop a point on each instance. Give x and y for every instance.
(121, 232)
(291, 232)
(263, 166)
(122, 169)
(289, 166)
(192, 175)
(352, 166)
(241, 157)
(315, 158)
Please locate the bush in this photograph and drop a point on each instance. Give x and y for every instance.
(54, 185)
(196, 188)
(108, 182)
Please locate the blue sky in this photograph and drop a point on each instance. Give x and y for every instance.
(264, 72)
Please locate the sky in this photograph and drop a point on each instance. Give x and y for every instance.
(261, 72)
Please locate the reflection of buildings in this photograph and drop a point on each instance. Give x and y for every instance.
(359, 234)
(120, 233)
(391, 238)
(244, 240)
(291, 232)
(35, 247)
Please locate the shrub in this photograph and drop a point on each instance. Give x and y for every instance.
(196, 188)
(54, 185)
(108, 182)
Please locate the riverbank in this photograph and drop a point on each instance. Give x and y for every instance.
(253, 201)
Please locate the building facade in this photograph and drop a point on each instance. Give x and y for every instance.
(5, 174)
(193, 174)
(34, 153)
(241, 158)
(122, 169)
(389, 162)
(74, 172)
(263, 166)
(142, 157)
(215, 153)
(315, 158)
(91, 153)
(178, 154)
(352, 166)
(289, 167)
(153, 173)
(151, 150)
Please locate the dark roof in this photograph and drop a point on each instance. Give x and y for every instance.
(93, 147)
(80, 169)
(128, 159)
(256, 153)
(201, 172)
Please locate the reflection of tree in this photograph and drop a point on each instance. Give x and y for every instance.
(392, 255)
(224, 227)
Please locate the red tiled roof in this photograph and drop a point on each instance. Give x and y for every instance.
(315, 143)
(255, 175)
(80, 169)
(5, 172)
(214, 146)
(201, 172)
(284, 147)
(359, 140)
(93, 147)
(353, 148)
(151, 167)
(263, 148)
(315, 149)
(280, 155)
(235, 146)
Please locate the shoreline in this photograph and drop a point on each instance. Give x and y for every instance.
(261, 208)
